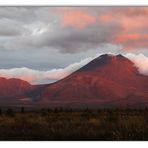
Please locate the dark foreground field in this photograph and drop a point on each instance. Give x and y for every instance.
(74, 125)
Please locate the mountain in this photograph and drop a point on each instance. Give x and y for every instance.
(12, 89)
(16, 91)
(107, 81)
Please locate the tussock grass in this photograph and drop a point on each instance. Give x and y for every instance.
(75, 125)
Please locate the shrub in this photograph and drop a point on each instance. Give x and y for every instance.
(22, 110)
(0, 111)
(9, 112)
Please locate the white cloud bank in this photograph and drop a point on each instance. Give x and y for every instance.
(37, 77)
(141, 62)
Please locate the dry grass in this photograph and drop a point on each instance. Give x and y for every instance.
(82, 125)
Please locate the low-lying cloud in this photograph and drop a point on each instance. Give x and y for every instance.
(141, 62)
(40, 77)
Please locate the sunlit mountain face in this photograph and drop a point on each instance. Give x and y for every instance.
(74, 55)
(108, 81)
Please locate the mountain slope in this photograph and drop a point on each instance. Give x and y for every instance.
(13, 87)
(18, 91)
(107, 80)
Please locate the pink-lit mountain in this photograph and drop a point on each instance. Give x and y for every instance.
(107, 81)
(104, 82)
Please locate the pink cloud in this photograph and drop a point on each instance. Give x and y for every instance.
(77, 18)
(37, 76)
(106, 18)
(134, 25)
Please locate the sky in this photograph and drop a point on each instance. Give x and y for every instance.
(45, 44)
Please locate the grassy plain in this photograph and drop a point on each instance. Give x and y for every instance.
(47, 125)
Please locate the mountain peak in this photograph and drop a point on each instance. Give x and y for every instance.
(112, 56)
(14, 80)
(107, 80)
(108, 60)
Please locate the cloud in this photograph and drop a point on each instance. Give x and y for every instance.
(132, 20)
(10, 28)
(77, 18)
(68, 31)
(43, 38)
(37, 77)
(73, 29)
(141, 62)
(41, 77)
